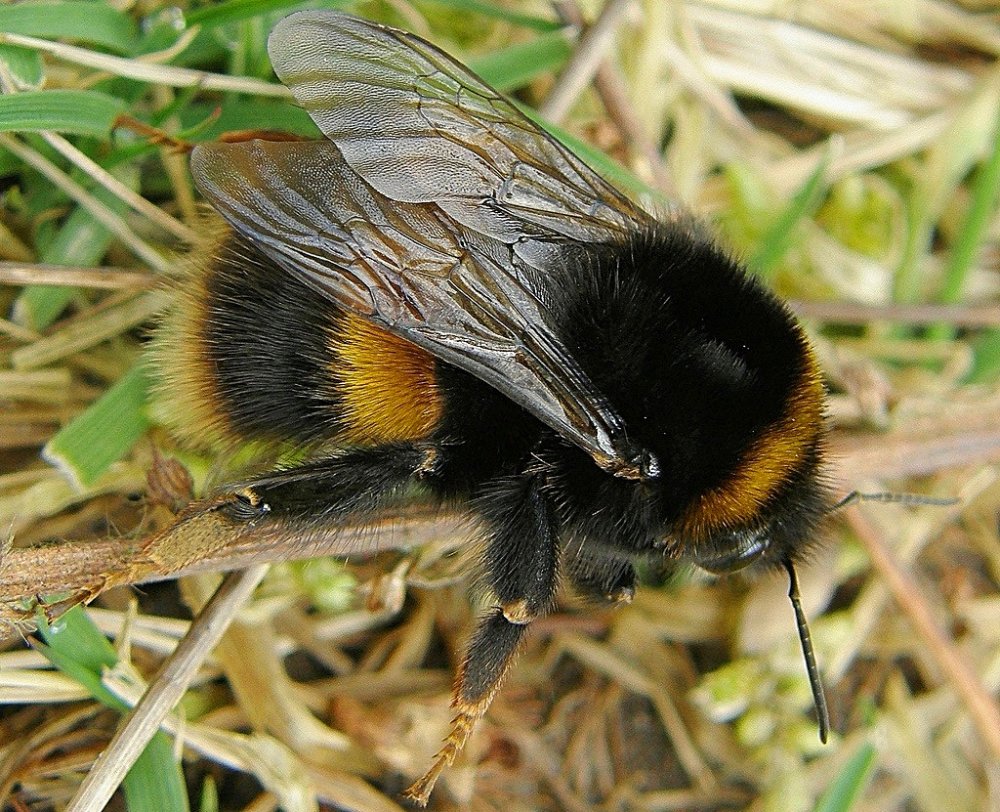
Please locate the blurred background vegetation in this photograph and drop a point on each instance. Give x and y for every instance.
(849, 150)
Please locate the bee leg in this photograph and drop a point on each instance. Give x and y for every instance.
(602, 578)
(319, 493)
(521, 568)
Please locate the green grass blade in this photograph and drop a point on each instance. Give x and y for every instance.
(155, 782)
(83, 21)
(506, 69)
(986, 358)
(81, 240)
(849, 785)
(236, 11)
(775, 242)
(209, 796)
(76, 640)
(982, 207)
(24, 66)
(513, 67)
(81, 112)
(75, 646)
(498, 12)
(63, 658)
(104, 432)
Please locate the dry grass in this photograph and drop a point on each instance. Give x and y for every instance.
(330, 689)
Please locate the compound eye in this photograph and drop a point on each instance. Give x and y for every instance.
(734, 551)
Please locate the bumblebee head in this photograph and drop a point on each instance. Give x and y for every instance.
(726, 530)
(779, 535)
(733, 550)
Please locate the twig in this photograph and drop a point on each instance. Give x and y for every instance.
(896, 458)
(88, 331)
(93, 565)
(857, 313)
(632, 677)
(584, 63)
(145, 72)
(801, 68)
(169, 686)
(614, 96)
(38, 273)
(980, 704)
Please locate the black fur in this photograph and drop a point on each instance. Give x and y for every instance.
(322, 492)
(523, 529)
(489, 655)
(699, 359)
(265, 340)
(696, 356)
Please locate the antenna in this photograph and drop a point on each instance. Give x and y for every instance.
(805, 637)
(856, 497)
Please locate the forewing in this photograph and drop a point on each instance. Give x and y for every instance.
(411, 269)
(420, 128)
(440, 212)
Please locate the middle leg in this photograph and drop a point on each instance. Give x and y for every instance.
(521, 564)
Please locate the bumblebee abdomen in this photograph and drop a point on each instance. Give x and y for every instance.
(387, 387)
(251, 353)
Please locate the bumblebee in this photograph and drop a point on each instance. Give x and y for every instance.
(439, 293)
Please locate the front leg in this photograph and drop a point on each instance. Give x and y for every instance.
(522, 571)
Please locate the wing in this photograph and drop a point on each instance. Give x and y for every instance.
(420, 128)
(435, 209)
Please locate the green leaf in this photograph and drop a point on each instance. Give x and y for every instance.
(79, 20)
(516, 65)
(24, 66)
(775, 242)
(104, 432)
(83, 112)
